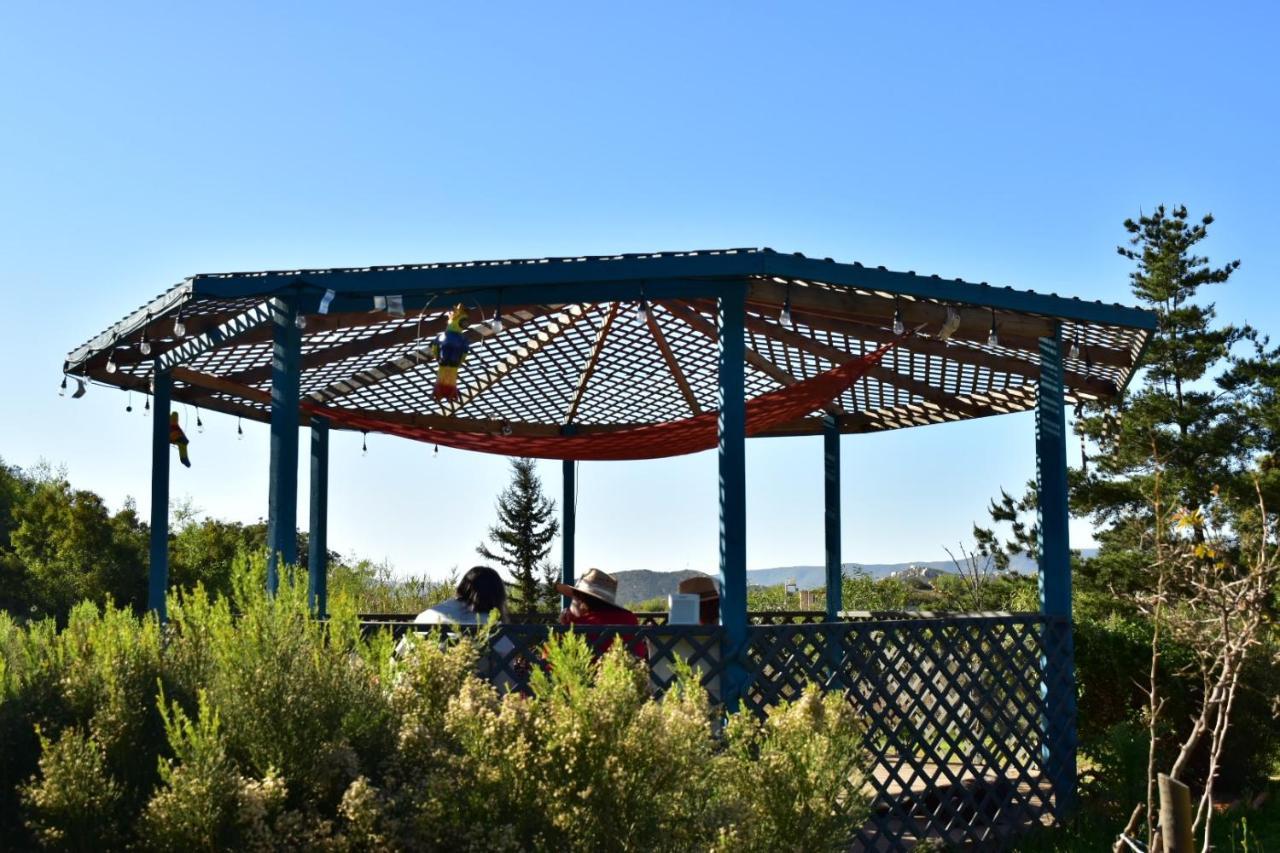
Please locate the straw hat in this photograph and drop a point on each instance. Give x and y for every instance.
(594, 584)
(703, 587)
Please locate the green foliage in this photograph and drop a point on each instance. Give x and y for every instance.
(522, 536)
(74, 804)
(253, 726)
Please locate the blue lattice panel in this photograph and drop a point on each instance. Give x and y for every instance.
(956, 723)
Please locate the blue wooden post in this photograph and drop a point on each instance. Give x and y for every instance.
(568, 526)
(732, 428)
(158, 583)
(318, 528)
(831, 481)
(1058, 689)
(282, 499)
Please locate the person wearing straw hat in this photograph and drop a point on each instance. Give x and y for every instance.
(708, 597)
(593, 601)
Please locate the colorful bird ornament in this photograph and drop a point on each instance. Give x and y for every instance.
(179, 438)
(450, 350)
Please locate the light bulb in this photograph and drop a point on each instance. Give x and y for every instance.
(495, 322)
(640, 316)
(784, 318)
(179, 328)
(993, 340)
(111, 365)
(300, 321)
(1074, 351)
(62, 389)
(145, 347)
(199, 424)
(898, 326)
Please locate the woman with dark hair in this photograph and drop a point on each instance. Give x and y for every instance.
(480, 592)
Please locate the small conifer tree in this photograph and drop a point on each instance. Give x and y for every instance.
(523, 535)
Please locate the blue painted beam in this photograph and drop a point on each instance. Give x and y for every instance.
(318, 528)
(590, 276)
(568, 526)
(831, 491)
(158, 580)
(1057, 689)
(282, 498)
(732, 428)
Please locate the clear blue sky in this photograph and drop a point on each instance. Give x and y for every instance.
(141, 143)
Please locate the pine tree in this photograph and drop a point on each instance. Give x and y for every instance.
(1181, 414)
(523, 535)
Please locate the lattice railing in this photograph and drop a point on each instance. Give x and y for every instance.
(956, 726)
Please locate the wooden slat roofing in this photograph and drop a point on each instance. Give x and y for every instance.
(571, 353)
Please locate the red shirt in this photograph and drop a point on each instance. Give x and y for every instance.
(615, 616)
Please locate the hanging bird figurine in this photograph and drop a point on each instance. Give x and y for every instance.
(450, 350)
(179, 438)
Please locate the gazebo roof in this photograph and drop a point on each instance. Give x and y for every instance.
(570, 352)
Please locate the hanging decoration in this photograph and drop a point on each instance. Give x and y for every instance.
(450, 350)
(178, 438)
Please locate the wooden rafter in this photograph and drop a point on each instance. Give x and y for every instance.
(1017, 331)
(405, 363)
(699, 323)
(557, 325)
(878, 372)
(590, 367)
(674, 366)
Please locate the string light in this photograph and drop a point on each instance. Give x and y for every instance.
(145, 346)
(179, 327)
(128, 406)
(436, 452)
(364, 443)
(1074, 352)
(784, 318)
(898, 326)
(300, 321)
(993, 339)
(640, 316)
(146, 407)
(62, 389)
(239, 430)
(111, 364)
(495, 322)
(199, 423)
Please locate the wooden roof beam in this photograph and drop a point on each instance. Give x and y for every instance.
(1017, 331)
(676, 373)
(699, 323)
(584, 378)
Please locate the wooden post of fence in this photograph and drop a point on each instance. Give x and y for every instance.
(1175, 816)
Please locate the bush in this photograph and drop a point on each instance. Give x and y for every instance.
(246, 724)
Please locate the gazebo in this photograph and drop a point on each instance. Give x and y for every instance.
(642, 355)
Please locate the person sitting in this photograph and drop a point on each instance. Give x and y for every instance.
(593, 602)
(708, 597)
(480, 592)
(701, 655)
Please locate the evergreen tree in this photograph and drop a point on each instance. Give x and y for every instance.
(1186, 415)
(523, 535)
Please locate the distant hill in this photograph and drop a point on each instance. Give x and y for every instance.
(642, 585)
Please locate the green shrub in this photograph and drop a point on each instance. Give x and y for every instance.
(73, 805)
(246, 724)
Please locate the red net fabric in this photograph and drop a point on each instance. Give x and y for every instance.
(651, 441)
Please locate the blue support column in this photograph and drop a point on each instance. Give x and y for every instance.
(158, 583)
(318, 528)
(1058, 688)
(282, 499)
(732, 429)
(831, 483)
(568, 526)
